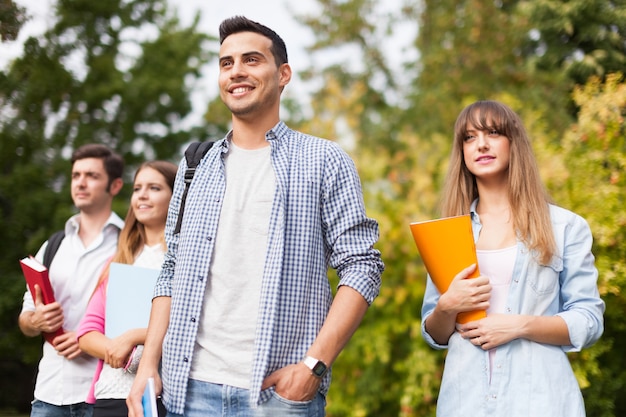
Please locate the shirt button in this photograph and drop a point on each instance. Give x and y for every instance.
(185, 359)
(209, 238)
(193, 319)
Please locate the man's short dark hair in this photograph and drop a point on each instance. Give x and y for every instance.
(113, 163)
(239, 24)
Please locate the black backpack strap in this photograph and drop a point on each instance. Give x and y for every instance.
(53, 245)
(193, 154)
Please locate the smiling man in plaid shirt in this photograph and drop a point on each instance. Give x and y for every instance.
(243, 313)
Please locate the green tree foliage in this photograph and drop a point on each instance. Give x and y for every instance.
(583, 38)
(112, 72)
(12, 17)
(358, 30)
(475, 50)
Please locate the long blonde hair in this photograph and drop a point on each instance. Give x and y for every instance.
(133, 236)
(527, 195)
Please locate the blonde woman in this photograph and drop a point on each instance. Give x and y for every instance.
(538, 280)
(141, 243)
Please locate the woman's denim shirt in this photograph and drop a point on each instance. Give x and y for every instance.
(528, 378)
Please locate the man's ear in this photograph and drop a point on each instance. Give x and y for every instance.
(116, 186)
(284, 74)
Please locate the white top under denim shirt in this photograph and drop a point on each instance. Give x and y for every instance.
(528, 378)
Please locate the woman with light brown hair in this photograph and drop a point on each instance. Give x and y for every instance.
(538, 280)
(141, 243)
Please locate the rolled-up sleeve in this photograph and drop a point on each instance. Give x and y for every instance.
(350, 234)
(582, 307)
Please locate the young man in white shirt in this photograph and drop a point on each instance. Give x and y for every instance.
(65, 374)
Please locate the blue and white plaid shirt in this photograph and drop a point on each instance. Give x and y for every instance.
(317, 219)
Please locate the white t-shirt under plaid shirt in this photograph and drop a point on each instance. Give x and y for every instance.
(227, 327)
(317, 220)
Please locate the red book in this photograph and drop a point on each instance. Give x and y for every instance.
(37, 274)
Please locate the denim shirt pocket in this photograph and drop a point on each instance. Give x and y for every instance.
(544, 279)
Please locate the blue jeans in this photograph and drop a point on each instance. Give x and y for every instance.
(206, 399)
(42, 409)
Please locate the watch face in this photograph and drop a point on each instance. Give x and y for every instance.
(319, 369)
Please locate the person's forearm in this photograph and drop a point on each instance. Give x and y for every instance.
(159, 321)
(136, 336)
(343, 319)
(151, 356)
(551, 330)
(440, 324)
(94, 344)
(24, 321)
(98, 345)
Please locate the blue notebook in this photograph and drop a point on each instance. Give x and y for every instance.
(148, 400)
(129, 298)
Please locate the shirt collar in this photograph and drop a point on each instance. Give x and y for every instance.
(73, 223)
(279, 130)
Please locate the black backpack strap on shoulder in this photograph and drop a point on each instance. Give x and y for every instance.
(193, 154)
(53, 245)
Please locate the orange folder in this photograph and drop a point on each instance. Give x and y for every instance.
(447, 246)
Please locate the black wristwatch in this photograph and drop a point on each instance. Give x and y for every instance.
(317, 367)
